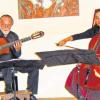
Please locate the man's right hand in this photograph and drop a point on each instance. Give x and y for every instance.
(18, 45)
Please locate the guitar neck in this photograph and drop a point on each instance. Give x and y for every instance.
(12, 43)
(26, 39)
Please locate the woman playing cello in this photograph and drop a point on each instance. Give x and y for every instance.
(89, 83)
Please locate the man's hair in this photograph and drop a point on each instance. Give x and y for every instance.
(6, 15)
(97, 10)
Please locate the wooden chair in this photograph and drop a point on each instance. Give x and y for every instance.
(21, 95)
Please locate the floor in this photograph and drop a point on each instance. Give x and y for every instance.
(57, 99)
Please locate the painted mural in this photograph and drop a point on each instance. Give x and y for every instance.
(28, 9)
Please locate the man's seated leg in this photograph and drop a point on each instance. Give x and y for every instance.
(32, 80)
(33, 77)
(7, 74)
(8, 88)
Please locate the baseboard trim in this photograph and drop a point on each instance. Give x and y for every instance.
(68, 98)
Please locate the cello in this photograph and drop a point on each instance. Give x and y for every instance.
(90, 74)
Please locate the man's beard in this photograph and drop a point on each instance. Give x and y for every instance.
(5, 32)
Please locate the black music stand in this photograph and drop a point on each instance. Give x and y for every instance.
(14, 63)
(63, 57)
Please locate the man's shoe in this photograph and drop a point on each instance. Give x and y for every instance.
(32, 97)
(8, 88)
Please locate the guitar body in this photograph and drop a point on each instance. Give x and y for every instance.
(3, 41)
(93, 81)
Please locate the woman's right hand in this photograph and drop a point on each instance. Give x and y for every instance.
(64, 41)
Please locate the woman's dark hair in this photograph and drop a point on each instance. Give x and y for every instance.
(96, 11)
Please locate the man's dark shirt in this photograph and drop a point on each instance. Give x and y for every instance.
(10, 38)
(87, 34)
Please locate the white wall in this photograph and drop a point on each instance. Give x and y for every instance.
(51, 80)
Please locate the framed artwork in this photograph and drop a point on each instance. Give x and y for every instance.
(28, 9)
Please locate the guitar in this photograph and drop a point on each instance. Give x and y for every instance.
(4, 45)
